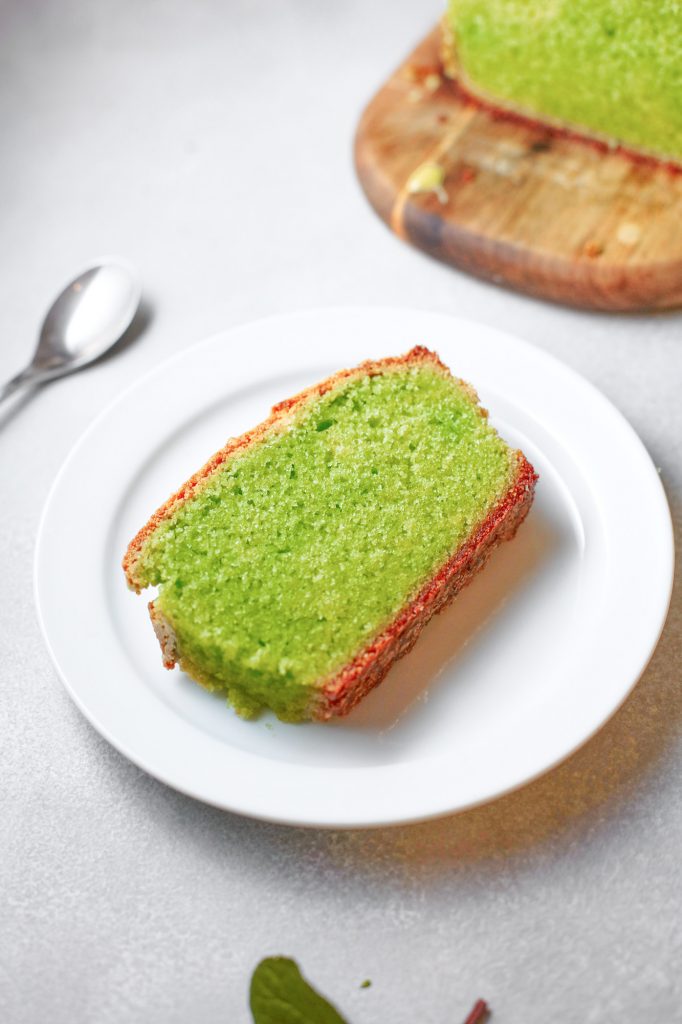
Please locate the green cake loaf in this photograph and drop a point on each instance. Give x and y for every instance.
(308, 554)
(610, 68)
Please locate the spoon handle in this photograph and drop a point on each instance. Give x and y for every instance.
(15, 383)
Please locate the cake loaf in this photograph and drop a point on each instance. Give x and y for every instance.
(611, 69)
(308, 554)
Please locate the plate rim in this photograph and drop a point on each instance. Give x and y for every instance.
(537, 354)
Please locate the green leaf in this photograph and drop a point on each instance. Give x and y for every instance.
(281, 995)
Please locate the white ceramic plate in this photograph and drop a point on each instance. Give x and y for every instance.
(525, 666)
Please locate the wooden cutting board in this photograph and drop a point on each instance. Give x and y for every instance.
(545, 213)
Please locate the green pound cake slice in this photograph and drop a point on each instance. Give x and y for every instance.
(610, 68)
(308, 554)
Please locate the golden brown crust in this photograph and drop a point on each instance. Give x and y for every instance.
(448, 48)
(279, 418)
(165, 634)
(346, 688)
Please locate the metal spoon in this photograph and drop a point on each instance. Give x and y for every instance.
(86, 319)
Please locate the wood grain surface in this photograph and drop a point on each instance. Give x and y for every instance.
(521, 204)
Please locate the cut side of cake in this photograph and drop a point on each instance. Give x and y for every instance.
(609, 69)
(308, 554)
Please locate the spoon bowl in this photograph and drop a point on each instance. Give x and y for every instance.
(86, 319)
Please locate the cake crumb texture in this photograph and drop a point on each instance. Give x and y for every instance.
(293, 553)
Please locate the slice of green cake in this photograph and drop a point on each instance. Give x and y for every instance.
(308, 554)
(612, 68)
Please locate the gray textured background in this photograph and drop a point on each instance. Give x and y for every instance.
(209, 142)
